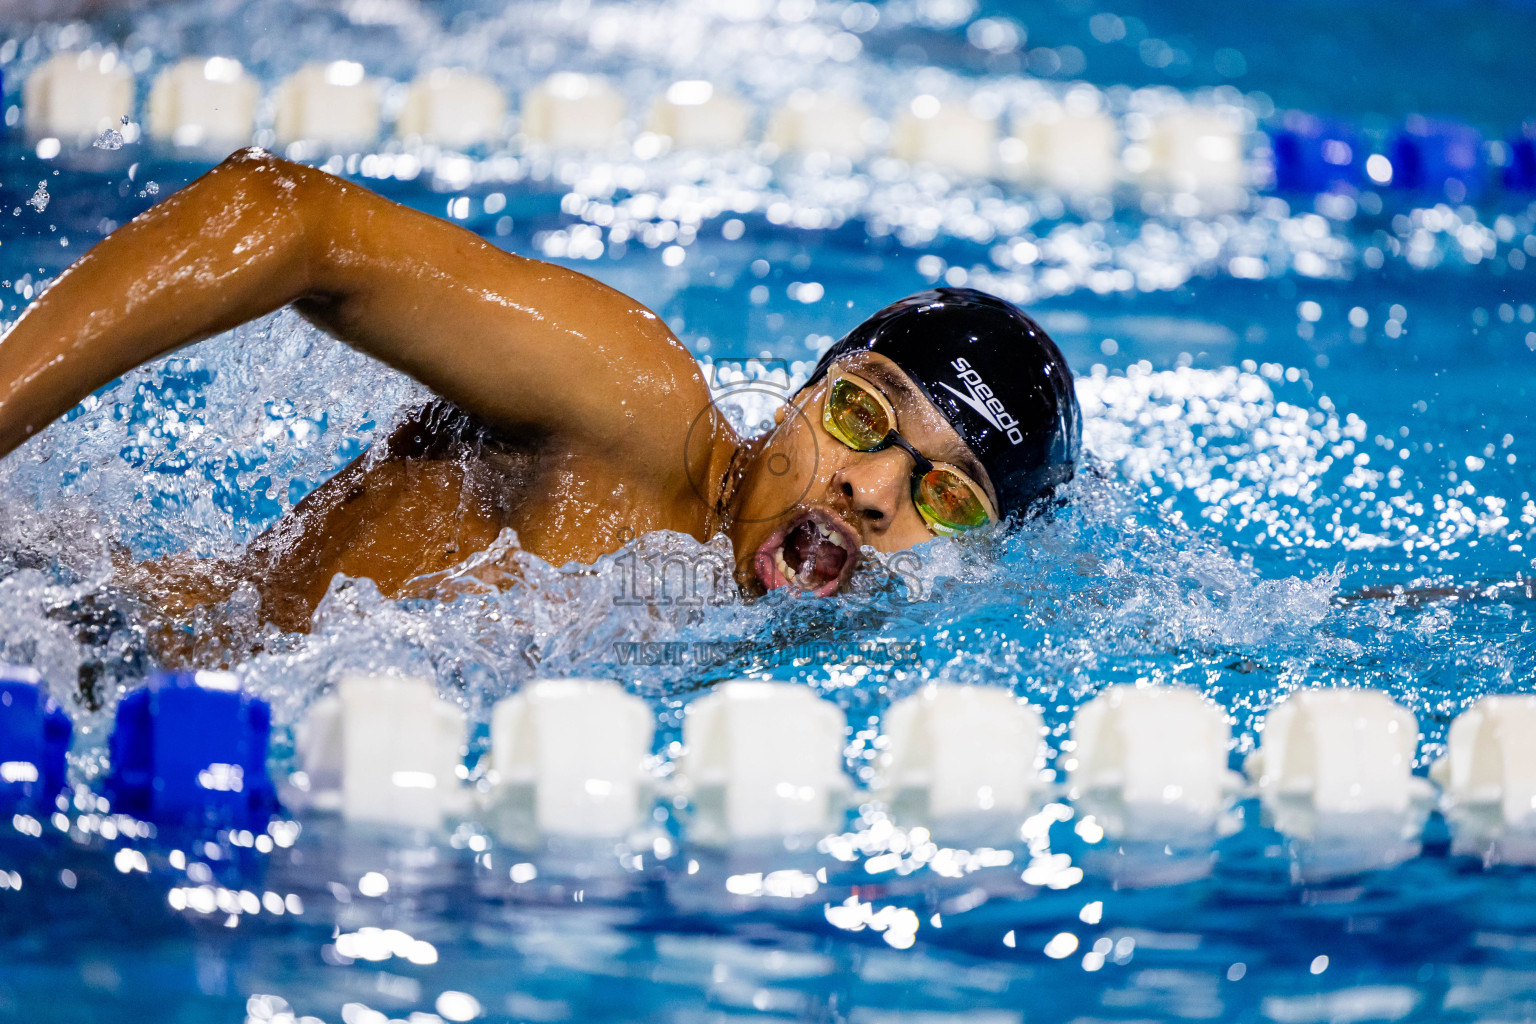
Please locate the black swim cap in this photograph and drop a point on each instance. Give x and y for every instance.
(993, 373)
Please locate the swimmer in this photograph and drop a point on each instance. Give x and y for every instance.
(569, 414)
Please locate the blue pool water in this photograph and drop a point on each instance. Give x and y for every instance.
(1292, 406)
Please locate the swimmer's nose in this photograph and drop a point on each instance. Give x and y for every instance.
(874, 487)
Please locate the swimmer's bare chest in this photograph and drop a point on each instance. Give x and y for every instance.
(439, 493)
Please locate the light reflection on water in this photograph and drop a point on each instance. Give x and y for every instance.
(342, 921)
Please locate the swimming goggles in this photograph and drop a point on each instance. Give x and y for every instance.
(858, 414)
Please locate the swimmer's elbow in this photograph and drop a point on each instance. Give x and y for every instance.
(269, 188)
(255, 168)
(247, 156)
(288, 187)
(260, 164)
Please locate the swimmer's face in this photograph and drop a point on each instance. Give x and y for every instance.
(807, 503)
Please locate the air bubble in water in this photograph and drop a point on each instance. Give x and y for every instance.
(39, 200)
(111, 138)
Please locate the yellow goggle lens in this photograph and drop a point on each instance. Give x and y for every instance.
(856, 416)
(948, 501)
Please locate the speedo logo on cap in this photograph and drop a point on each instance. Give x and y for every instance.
(980, 397)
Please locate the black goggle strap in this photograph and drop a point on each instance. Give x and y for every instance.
(923, 462)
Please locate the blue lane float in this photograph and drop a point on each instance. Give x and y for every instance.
(1440, 158)
(34, 740)
(1314, 154)
(1520, 171)
(190, 749)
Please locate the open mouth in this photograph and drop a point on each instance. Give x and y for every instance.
(815, 552)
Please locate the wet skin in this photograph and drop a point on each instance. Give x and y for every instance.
(577, 419)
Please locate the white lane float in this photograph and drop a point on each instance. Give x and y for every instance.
(1197, 150)
(1150, 763)
(573, 111)
(959, 757)
(824, 122)
(1068, 147)
(568, 758)
(333, 104)
(696, 114)
(947, 134)
(1334, 773)
(453, 108)
(762, 761)
(74, 97)
(382, 749)
(1488, 779)
(204, 103)
(1147, 771)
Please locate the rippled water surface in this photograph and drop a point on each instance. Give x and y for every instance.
(1307, 446)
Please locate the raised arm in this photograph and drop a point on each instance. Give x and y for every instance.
(526, 345)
